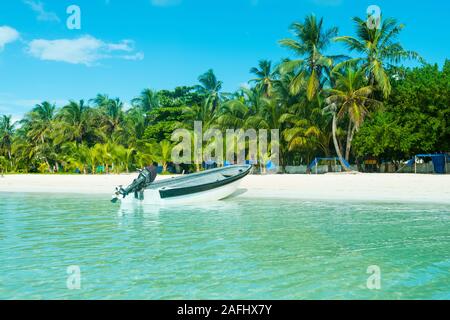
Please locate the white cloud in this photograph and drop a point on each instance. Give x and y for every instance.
(124, 45)
(165, 3)
(135, 57)
(42, 14)
(7, 35)
(84, 50)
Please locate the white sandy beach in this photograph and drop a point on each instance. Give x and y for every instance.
(332, 186)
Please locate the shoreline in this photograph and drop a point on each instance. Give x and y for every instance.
(386, 187)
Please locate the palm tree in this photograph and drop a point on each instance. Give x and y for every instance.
(6, 136)
(39, 122)
(3, 165)
(351, 97)
(379, 49)
(101, 100)
(201, 113)
(76, 156)
(93, 157)
(135, 124)
(252, 98)
(232, 114)
(271, 116)
(299, 132)
(161, 152)
(265, 77)
(147, 101)
(312, 41)
(113, 116)
(103, 154)
(210, 87)
(125, 157)
(143, 157)
(75, 121)
(207, 111)
(38, 131)
(332, 109)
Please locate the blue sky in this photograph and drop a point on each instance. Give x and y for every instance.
(125, 46)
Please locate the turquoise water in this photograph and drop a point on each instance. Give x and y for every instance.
(237, 249)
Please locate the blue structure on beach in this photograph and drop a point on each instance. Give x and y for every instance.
(316, 161)
(439, 161)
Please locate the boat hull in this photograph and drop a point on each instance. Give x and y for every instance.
(202, 187)
(153, 197)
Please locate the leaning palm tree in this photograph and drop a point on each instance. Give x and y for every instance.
(312, 41)
(265, 77)
(379, 49)
(351, 96)
(332, 109)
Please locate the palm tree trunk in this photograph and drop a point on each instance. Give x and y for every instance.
(50, 169)
(348, 146)
(10, 160)
(336, 144)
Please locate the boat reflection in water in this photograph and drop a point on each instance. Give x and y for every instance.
(153, 211)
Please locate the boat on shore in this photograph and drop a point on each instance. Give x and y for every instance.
(205, 186)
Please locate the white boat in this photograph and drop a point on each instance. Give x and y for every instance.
(200, 187)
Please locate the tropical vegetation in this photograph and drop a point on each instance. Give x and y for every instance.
(365, 105)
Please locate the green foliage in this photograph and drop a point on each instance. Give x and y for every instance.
(321, 104)
(415, 118)
(379, 47)
(163, 121)
(180, 96)
(312, 39)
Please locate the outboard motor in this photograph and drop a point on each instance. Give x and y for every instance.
(146, 176)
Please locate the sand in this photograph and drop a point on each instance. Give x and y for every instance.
(331, 186)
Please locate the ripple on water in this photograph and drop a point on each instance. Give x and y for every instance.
(239, 248)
